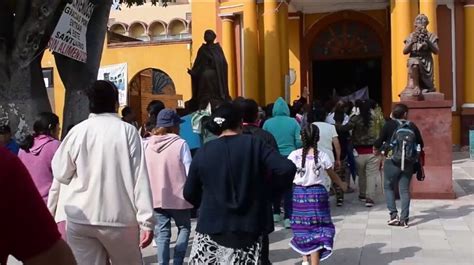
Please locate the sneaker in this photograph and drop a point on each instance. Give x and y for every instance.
(361, 198)
(404, 223)
(276, 218)
(340, 202)
(394, 220)
(305, 263)
(287, 223)
(369, 202)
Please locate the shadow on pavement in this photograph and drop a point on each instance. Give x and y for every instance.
(374, 254)
(442, 211)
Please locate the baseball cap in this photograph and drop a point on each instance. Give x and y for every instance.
(168, 118)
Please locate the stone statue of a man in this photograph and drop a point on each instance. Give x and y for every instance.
(209, 74)
(420, 46)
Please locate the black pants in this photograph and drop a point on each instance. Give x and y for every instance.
(287, 204)
(265, 250)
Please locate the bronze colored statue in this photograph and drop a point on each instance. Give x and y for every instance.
(420, 46)
(209, 74)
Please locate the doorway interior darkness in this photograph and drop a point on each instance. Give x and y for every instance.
(346, 76)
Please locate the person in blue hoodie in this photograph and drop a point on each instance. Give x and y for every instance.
(286, 131)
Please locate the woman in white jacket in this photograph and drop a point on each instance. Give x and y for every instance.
(108, 199)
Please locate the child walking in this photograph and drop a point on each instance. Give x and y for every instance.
(311, 220)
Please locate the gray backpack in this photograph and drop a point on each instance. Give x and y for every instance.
(403, 145)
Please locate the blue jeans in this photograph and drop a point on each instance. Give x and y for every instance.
(182, 219)
(393, 175)
(351, 161)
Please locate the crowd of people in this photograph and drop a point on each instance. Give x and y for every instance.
(113, 186)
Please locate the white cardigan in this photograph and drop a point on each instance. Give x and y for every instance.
(103, 163)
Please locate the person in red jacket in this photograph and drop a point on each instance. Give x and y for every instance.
(28, 231)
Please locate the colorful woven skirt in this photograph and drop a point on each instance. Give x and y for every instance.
(311, 222)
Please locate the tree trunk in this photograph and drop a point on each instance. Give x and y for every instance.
(23, 39)
(25, 97)
(78, 77)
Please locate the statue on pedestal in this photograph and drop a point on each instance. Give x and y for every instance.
(209, 74)
(420, 45)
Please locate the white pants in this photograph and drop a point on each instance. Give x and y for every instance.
(94, 245)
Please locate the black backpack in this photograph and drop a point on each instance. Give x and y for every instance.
(403, 145)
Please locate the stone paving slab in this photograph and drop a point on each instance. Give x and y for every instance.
(441, 231)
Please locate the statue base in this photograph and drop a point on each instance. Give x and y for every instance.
(407, 95)
(434, 119)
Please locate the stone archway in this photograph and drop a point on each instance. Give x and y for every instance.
(347, 35)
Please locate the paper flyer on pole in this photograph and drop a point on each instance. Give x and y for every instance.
(69, 36)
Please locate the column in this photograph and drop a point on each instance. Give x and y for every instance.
(414, 10)
(469, 55)
(401, 26)
(250, 52)
(207, 13)
(428, 7)
(228, 45)
(285, 57)
(467, 113)
(272, 55)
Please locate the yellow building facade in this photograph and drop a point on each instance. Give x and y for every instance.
(283, 48)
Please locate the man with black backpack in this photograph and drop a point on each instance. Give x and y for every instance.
(401, 142)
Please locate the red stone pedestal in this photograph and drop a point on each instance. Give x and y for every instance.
(434, 119)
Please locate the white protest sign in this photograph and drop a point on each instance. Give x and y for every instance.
(69, 36)
(116, 74)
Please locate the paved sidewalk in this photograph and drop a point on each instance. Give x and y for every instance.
(441, 231)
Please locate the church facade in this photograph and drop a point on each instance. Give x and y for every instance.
(325, 48)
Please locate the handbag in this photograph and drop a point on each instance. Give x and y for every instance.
(420, 172)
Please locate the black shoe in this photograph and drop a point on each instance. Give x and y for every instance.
(340, 202)
(369, 203)
(361, 198)
(404, 223)
(394, 220)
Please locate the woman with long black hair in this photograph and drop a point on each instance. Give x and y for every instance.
(364, 134)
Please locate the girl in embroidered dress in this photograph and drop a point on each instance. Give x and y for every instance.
(311, 220)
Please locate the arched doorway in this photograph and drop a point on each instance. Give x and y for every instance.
(150, 84)
(346, 52)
